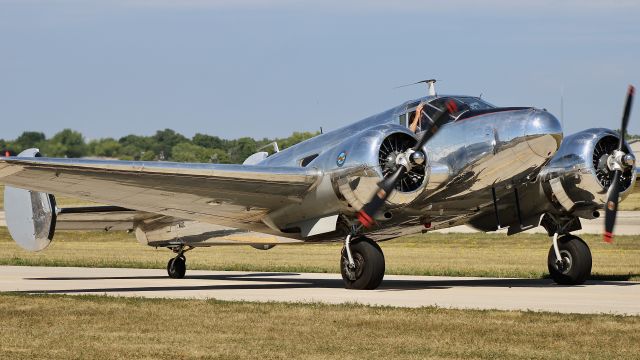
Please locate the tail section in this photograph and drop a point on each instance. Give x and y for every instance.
(30, 215)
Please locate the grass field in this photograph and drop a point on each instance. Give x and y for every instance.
(68, 327)
(477, 254)
(632, 202)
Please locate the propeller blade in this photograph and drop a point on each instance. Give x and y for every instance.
(611, 208)
(438, 120)
(625, 116)
(386, 186)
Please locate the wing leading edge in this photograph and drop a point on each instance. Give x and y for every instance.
(231, 195)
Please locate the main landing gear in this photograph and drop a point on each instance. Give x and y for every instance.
(361, 264)
(569, 260)
(177, 266)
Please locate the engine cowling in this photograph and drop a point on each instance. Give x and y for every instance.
(578, 176)
(371, 157)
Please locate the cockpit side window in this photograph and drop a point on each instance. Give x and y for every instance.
(402, 120)
(406, 118)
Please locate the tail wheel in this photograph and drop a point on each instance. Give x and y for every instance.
(368, 271)
(576, 261)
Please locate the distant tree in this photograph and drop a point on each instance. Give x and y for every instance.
(106, 147)
(295, 138)
(29, 139)
(632, 136)
(53, 149)
(66, 143)
(242, 149)
(165, 140)
(7, 146)
(209, 141)
(147, 156)
(188, 152)
(160, 146)
(219, 156)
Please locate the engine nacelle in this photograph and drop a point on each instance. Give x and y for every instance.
(577, 177)
(370, 158)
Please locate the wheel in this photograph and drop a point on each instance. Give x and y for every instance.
(576, 261)
(369, 265)
(177, 267)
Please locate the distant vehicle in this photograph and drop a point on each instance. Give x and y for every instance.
(468, 163)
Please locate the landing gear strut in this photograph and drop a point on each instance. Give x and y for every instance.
(574, 265)
(177, 266)
(361, 264)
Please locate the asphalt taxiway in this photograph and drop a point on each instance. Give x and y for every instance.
(616, 297)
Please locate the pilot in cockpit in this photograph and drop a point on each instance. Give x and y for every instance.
(416, 123)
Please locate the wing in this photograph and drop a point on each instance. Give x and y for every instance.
(103, 217)
(231, 195)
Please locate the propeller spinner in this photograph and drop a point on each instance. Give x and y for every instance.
(617, 162)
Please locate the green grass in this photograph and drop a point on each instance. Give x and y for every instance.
(82, 327)
(478, 254)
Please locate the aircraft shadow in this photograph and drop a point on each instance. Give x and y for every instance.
(265, 281)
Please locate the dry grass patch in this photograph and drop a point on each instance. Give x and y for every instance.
(632, 202)
(479, 254)
(66, 327)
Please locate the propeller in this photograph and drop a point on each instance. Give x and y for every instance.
(404, 162)
(617, 162)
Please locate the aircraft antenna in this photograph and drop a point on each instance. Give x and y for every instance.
(431, 86)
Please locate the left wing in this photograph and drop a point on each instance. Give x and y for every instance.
(231, 195)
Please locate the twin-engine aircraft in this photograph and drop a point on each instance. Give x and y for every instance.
(468, 162)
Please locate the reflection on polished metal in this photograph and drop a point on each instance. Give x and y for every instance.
(30, 215)
(417, 157)
(474, 170)
(584, 168)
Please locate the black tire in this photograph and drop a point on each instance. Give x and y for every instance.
(177, 267)
(369, 269)
(577, 261)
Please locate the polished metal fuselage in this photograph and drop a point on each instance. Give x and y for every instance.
(466, 159)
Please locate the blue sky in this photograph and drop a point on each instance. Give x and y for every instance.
(265, 69)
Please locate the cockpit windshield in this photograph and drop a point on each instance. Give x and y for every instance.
(474, 103)
(464, 104)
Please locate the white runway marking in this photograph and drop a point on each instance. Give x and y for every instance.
(619, 297)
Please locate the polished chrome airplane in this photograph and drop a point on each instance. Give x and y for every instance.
(469, 163)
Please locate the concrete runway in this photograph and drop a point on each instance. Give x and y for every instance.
(617, 297)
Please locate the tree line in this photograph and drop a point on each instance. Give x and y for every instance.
(163, 145)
